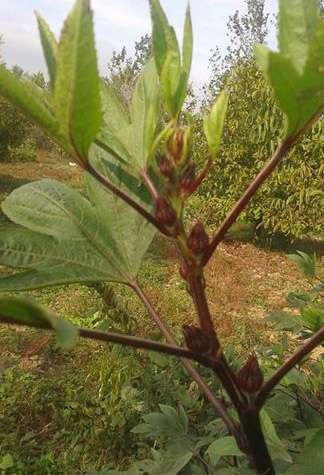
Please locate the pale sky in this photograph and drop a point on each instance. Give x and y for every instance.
(117, 23)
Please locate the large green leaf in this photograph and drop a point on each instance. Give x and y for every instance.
(77, 95)
(63, 238)
(144, 113)
(311, 460)
(296, 72)
(172, 78)
(114, 133)
(132, 233)
(32, 100)
(159, 34)
(25, 312)
(49, 45)
(297, 23)
(129, 135)
(50, 262)
(173, 72)
(276, 446)
(52, 208)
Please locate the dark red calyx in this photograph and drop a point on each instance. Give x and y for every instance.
(164, 214)
(187, 180)
(198, 240)
(165, 166)
(199, 340)
(250, 376)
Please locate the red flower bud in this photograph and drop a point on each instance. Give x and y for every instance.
(199, 340)
(187, 181)
(198, 240)
(164, 213)
(250, 377)
(175, 144)
(165, 166)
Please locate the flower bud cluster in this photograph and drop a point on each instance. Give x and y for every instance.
(199, 340)
(198, 240)
(250, 376)
(164, 213)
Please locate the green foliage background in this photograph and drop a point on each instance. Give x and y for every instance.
(290, 201)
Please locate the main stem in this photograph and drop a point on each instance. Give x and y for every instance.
(251, 440)
(257, 448)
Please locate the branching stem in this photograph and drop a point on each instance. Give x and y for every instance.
(116, 191)
(292, 361)
(217, 404)
(247, 195)
(282, 149)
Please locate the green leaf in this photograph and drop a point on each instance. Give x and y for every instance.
(284, 320)
(172, 79)
(49, 261)
(76, 93)
(31, 99)
(298, 299)
(68, 239)
(51, 208)
(25, 312)
(130, 184)
(130, 135)
(123, 222)
(297, 23)
(296, 73)
(172, 72)
(284, 81)
(169, 422)
(159, 34)
(49, 45)
(187, 43)
(311, 460)
(276, 446)
(114, 133)
(313, 317)
(214, 123)
(225, 446)
(144, 114)
(305, 262)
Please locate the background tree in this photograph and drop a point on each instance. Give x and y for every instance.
(290, 201)
(123, 69)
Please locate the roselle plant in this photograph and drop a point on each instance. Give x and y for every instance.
(139, 178)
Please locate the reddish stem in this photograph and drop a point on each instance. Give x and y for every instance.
(294, 359)
(246, 197)
(116, 191)
(217, 404)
